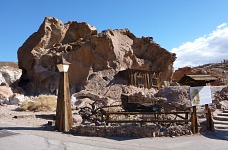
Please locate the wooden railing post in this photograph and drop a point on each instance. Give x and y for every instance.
(194, 121)
(107, 118)
(208, 117)
(186, 117)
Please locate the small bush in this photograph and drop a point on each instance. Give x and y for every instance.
(41, 103)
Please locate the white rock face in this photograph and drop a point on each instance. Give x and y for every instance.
(5, 94)
(77, 119)
(9, 75)
(2, 79)
(16, 99)
(73, 99)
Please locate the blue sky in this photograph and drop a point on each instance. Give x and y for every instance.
(172, 23)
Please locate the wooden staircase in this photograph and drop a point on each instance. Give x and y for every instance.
(221, 120)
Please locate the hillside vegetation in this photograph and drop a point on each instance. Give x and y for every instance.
(11, 64)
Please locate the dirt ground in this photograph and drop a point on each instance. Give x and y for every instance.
(10, 115)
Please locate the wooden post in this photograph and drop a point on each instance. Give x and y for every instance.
(186, 117)
(208, 117)
(194, 121)
(107, 118)
(148, 80)
(135, 79)
(159, 80)
(64, 120)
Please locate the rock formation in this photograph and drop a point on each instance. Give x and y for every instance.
(9, 75)
(96, 58)
(218, 70)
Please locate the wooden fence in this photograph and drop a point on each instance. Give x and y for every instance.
(147, 117)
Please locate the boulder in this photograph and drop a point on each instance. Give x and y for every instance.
(178, 95)
(96, 58)
(16, 99)
(77, 118)
(5, 94)
(9, 75)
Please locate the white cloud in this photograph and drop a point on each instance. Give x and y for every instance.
(207, 49)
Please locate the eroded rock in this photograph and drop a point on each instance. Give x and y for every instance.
(96, 58)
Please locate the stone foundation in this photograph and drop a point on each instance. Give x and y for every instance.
(133, 131)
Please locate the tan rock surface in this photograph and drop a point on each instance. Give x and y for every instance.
(96, 58)
(5, 94)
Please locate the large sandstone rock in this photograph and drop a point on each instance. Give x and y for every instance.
(178, 95)
(96, 58)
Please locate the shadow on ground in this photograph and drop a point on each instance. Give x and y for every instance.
(44, 127)
(216, 134)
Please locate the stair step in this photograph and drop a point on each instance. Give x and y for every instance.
(220, 122)
(221, 118)
(220, 126)
(223, 114)
(225, 111)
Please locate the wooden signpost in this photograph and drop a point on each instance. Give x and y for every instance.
(200, 96)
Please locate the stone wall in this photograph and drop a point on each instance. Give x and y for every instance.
(133, 131)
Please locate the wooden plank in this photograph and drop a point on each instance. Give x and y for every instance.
(194, 121)
(141, 121)
(208, 117)
(142, 113)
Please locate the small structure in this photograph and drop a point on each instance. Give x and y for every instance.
(142, 78)
(197, 80)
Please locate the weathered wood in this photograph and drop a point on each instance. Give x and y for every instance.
(142, 121)
(135, 77)
(159, 80)
(146, 113)
(194, 121)
(208, 117)
(149, 119)
(64, 120)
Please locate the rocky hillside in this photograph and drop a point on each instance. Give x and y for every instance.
(11, 64)
(96, 58)
(218, 70)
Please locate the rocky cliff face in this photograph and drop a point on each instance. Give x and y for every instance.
(96, 58)
(218, 70)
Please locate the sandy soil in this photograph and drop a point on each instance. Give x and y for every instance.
(10, 115)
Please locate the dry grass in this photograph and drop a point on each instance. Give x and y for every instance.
(12, 64)
(41, 103)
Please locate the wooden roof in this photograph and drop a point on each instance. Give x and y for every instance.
(196, 79)
(202, 77)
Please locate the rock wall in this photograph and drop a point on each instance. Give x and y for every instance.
(96, 58)
(133, 131)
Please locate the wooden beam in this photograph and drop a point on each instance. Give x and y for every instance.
(194, 121)
(208, 117)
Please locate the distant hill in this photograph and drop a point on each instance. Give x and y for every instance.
(218, 70)
(11, 64)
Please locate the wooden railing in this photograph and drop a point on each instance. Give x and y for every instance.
(144, 117)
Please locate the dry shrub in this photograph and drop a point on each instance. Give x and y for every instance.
(41, 103)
